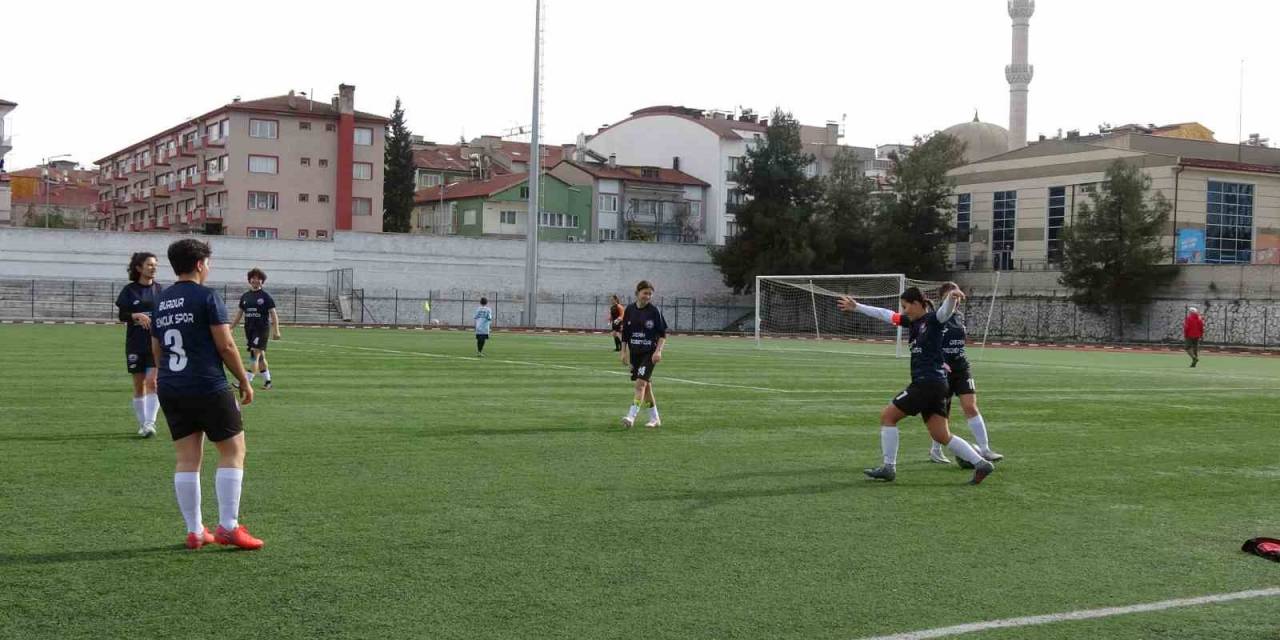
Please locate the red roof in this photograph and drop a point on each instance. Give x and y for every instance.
(78, 190)
(445, 157)
(520, 152)
(633, 173)
(279, 105)
(1229, 165)
(459, 190)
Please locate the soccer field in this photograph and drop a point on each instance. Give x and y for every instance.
(406, 489)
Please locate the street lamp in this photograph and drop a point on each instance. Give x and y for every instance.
(44, 178)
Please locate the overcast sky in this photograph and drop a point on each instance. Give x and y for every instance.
(93, 77)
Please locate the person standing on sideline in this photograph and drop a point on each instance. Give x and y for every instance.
(1193, 331)
(135, 305)
(615, 321)
(191, 341)
(484, 322)
(259, 311)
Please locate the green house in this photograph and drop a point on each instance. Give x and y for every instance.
(498, 208)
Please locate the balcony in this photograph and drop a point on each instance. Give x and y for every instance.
(162, 159)
(165, 189)
(163, 223)
(103, 207)
(192, 148)
(146, 193)
(216, 143)
(189, 183)
(214, 177)
(143, 168)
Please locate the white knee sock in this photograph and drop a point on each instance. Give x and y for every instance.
(151, 407)
(227, 482)
(266, 375)
(653, 413)
(635, 409)
(889, 444)
(962, 450)
(979, 428)
(140, 410)
(186, 484)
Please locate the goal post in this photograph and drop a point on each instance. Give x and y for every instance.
(804, 306)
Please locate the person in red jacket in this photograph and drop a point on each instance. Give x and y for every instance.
(1193, 331)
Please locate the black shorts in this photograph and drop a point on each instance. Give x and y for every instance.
(482, 337)
(217, 415)
(961, 383)
(642, 365)
(139, 361)
(256, 338)
(926, 399)
(616, 325)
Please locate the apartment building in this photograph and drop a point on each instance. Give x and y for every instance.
(6, 144)
(280, 167)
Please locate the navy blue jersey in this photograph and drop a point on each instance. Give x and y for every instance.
(953, 337)
(257, 306)
(643, 327)
(926, 347)
(137, 298)
(189, 360)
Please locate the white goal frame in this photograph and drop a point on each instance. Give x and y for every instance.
(902, 283)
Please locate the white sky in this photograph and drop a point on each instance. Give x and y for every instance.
(93, 77)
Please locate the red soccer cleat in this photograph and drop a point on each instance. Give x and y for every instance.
(197, 540)
(239, 537)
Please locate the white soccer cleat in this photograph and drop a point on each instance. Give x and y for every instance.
(653, 424)
(937, 457)
(147, 430)
(990, 455)
(628, 422)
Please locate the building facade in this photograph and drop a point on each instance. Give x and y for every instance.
(498, 208)
(6, 145)
(282, 167)
(648, 204)
(59, 194)
(1011, 209)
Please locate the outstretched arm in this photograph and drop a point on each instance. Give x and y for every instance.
(948, 307)
(849, 304)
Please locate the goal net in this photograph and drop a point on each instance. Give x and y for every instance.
(805, 307)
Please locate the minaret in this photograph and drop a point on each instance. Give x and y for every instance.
(1019, 72)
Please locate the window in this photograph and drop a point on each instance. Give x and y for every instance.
(263, 164)
(1229, 227)
(364, 136)
(302, 234)
(362, 170)
(264, 129)
(524, 192)
(1004, 217)
(218, 130)
(323, 163)
(1056, 218)
(302, 197)
(557, 220)
(735, 165)
(428, 180)
(649, 172)
(303, 126)
(306, 162)
(507, 217)
(328, 126)
(362, 206)
(322, 199)
(321, 234)
(608, 203)
(964, 205)
(469, 216)
(608, 234)
(263, 201)
(261, 234)
(217, 166)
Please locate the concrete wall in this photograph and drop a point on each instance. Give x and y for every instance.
(410, 267)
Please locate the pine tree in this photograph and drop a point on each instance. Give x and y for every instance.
(779, 227)
(848, 214)
(1112, 256)
(913, 229)
(398, 176)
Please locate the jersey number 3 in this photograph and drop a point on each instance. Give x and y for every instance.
(178, 359)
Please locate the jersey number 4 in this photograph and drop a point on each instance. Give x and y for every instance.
(178, 359)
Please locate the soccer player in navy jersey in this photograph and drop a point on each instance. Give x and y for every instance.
(191, 341)
(927, 395)
(134, 305)
(260, 319)
(644, 333)
(961, 384)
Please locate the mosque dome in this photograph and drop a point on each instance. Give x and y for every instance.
(981, 139)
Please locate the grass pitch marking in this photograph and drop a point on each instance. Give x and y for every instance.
(1085, 614)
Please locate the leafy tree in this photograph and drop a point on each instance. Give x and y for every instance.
(398, 176)
(848, 214)
(1112, 256)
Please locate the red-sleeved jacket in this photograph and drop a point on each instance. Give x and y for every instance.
(1193, 327)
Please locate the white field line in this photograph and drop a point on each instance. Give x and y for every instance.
(1084, 614)
(1082, 394)
(542, 365)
